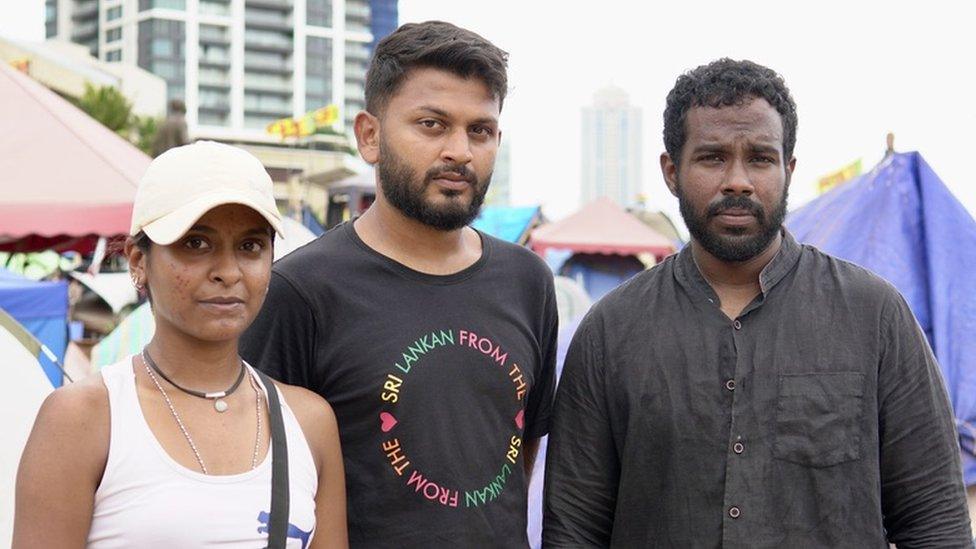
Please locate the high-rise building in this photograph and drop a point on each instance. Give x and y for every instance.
(612, 144)
(238, 64)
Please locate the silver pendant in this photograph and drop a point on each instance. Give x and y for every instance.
(220, 405)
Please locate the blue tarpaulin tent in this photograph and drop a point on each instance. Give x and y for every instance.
(511, 224)
(41, 308)
(901, 222)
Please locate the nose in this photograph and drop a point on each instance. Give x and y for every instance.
(226, 270)
(457, 148)
(737, 180)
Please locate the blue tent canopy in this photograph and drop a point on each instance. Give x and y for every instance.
(901, 222)
(42, 308)
(507, 223)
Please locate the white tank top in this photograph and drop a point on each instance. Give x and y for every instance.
(146, 499)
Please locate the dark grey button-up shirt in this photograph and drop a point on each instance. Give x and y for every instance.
(817, 418)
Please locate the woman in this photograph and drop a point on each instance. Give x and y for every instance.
(170, 448)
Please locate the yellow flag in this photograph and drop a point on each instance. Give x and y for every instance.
(833, 179)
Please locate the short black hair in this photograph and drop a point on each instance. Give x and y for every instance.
(438, 45)
(723, 83)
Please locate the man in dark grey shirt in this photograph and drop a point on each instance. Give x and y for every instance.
(749, 391)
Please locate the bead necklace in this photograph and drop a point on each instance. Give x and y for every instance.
(186, 434)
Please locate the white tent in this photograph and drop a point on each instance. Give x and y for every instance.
(23, 390)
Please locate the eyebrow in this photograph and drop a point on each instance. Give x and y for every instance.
(444, 114)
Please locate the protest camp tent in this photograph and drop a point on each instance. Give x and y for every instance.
(42, 308)
(902, 222)
(24, 388)
(66, 178)
(511, 224)
(607, 244)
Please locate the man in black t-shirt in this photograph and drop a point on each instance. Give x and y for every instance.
(434, 343)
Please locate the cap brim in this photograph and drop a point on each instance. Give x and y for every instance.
(172, 226)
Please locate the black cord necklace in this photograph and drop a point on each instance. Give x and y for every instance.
(218, 397)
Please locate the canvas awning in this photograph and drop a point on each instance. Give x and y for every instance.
(601, 227)
(65, 176)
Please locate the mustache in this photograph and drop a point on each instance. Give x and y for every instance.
(737, 203)
(459, 170)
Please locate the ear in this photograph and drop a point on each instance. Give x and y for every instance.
(137, 263)
(790, 166)
(670, 172)
(367, 128)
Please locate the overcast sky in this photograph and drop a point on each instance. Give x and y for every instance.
(857, 69)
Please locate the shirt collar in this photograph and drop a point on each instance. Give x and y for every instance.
(786, 258)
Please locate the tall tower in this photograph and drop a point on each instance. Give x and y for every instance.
(612, 144)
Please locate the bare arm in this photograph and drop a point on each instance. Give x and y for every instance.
(322, 433)
(61, 467)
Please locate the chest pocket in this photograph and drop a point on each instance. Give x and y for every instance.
(818, 418)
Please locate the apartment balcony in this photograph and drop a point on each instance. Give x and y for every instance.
(85, 11)
(260, 20)
(268, 67)
(219, 37)
(222, 82)
(215, 106)
(84, 31)
(276, 86)
(359, 12)
(268, 43)
(214, 8)
(220, 61)
(284, 5)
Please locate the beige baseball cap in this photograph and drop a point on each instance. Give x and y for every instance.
(184, 183)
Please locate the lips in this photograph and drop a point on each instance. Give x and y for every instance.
(223, 305)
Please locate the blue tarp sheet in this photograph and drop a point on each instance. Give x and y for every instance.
(903, 223)
(42, 308)
(506, 223)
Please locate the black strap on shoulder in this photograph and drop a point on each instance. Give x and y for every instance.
(278, 523)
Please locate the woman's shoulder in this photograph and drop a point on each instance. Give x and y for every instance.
(315, 417)
(83, 402)
(308, 406)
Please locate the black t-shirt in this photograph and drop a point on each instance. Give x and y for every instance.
(435, 381)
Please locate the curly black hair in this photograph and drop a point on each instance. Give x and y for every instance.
(438, 45)
(723, 83)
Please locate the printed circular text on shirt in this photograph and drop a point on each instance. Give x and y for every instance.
(395, 450)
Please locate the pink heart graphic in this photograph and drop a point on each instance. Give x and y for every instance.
(387, 421)
(520, 419)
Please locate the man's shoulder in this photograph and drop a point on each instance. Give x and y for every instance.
(840, 275)
(318, 258)
(639, 289)
(519, 259)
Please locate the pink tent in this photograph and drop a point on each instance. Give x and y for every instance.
(64, 178)
(601, 227)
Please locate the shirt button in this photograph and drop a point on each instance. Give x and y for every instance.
(734, 512)
(736, 324)
(738, 448)
(730, 384)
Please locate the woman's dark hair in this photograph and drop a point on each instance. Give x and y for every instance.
(724, 83)
(438, 45)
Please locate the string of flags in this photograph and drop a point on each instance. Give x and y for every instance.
(308, 124)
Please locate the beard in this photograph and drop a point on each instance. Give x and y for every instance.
(735, 245)
(406, 191)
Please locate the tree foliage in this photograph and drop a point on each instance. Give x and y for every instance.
(107, 105)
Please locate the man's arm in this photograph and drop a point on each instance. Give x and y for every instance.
(281, 340)
(922, 494)
(530, 449)
(582, 466)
